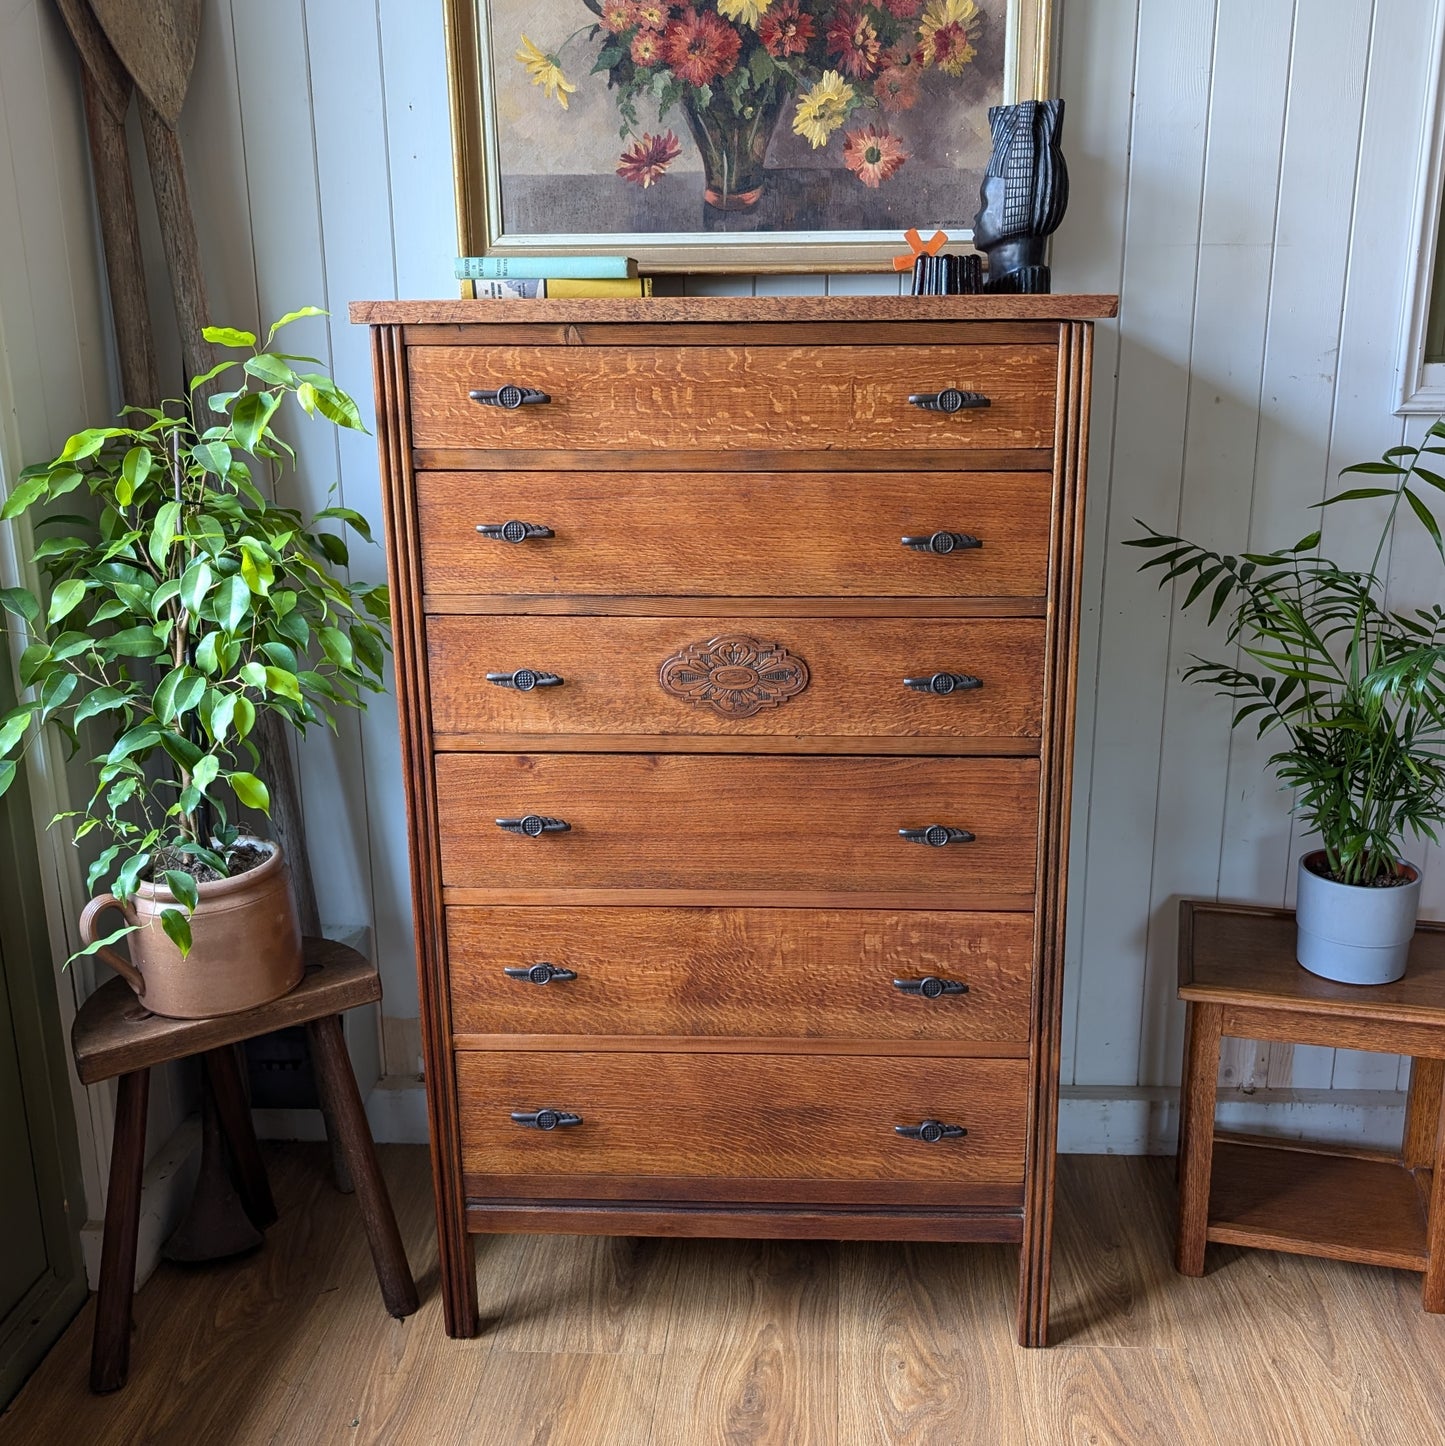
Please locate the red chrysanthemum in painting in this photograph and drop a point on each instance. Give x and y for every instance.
(896, 88)
(645, 160)
(700, 47)
(854, 40)
(904, 9)
(619, 15)
(646, 47)
(650, 15)
(784, 31)
(873, 154)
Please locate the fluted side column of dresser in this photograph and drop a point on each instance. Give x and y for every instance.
(735, 656)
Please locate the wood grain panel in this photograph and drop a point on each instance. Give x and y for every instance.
(712, 1117)
(714, 398)
(693, 822)
(770, 534)
(799, 973)
(855, 669)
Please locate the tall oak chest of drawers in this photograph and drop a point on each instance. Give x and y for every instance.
(735, 653)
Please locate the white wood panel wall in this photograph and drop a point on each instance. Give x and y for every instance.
(1243, 176)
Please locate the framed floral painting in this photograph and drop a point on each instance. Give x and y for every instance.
(730, 135)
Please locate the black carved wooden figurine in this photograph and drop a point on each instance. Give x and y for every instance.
(1024, 193)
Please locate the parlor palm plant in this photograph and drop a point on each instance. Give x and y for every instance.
(1354, 689)
(181, 608)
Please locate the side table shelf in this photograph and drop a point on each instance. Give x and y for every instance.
(1238, 974)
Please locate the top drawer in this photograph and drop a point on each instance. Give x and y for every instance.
(701, 399)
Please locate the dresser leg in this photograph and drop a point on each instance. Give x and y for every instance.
(1196, 1134)
(1425, 1088)
(460, 1310)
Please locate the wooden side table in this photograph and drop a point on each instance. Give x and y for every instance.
(115, 1034)
(1237, 971)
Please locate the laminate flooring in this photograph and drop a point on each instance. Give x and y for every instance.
(627, 1342)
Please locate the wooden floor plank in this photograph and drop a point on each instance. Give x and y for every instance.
(721, 1343)
(752, 1349)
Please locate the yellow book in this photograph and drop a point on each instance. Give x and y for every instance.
(558, 286)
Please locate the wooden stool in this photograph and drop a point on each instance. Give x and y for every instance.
(1238, 972)
(114, 1034)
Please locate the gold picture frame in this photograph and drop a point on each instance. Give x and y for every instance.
(482, 229)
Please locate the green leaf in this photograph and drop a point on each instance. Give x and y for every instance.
(251, 791)
(350, 516)
(183, 886)
(207, 654)
(203, 775)
(220, 720)
(7, 775)
(12, 728)
(145, 735)
(133, 473)
(163, 532)
(245, 716)
(210, 375)
(366, 642)
(251, 415)
(177, 927)
(195, 584)
(228, 336)
(1376, 468)
(66, 598)
(20, 601)
(291, 316)
(306, 395)
(214, 457)
(1356, 494)
(284, 684)
(255, 675)
(1427, 519)
(336, 645)
(140, 642)
(98, 944)
(179, 691)
(335, 549)
(63, 480)
(32, 662)
(101, 700)
(181, 749)
(22, 496)
(58, 687)
(233, 602)
(271, 370)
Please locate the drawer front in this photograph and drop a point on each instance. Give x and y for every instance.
(749, 676)
(694, 822)
(799, 973)
(801, 534)
(753, 1118)
(707, 398)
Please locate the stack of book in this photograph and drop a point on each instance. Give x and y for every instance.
(515, 278)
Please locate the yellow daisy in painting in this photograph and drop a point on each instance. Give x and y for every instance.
(545, 71)
(824, 108)
(744, 12)
(946, 34)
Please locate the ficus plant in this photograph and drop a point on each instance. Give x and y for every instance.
(181, 607)
(1356, 690)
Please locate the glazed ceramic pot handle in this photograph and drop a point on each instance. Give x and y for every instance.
(127, 971)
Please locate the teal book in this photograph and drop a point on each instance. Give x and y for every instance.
(527, 268)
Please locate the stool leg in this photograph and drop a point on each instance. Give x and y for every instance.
(393, 1274)
(233, 1110)
(1196, 1135)
(110, 1345)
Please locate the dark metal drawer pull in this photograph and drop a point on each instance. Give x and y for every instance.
(542, 973)
(950, 399)
(513, 531)
(930, 986)
(511, 396)
(930, 1131)
(545, 1119)
(943, 542)
(534, 826)
(936, 835)
(941, 683)
(525, 679)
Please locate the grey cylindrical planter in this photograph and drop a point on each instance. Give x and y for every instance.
(1353, 933)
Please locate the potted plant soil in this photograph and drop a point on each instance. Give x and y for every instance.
(182, 606)
(1356, 693)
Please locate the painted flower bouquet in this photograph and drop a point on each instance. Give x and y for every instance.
(734, 68)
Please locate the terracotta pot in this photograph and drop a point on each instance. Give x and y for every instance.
(245, 943)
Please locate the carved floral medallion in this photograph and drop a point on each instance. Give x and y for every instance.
(734, 675)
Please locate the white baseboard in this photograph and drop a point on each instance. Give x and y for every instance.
(166, 1188)
(1112, 1120)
